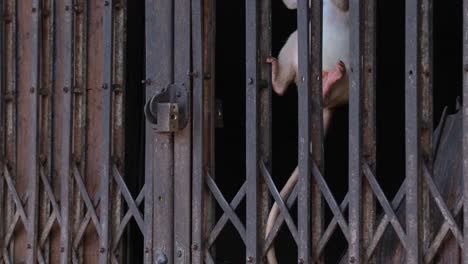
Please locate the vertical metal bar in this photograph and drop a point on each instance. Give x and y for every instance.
(62, 121)
(425, 79)
(355, 135)
(79, 114)
(182, 139)
(119, 21)
(105, 144)
(30, 139)
(97, 134)
(209, 76)
(265, 110)
(150, 33)
(304, 117)
(159, 72)
(317, 138)
(3, 219)
(253, 250)
(465, 130)
(10, 90)
(198, 218)
(369, 142)
(45, 133)
(412, 119)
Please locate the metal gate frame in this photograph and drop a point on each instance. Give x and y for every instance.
(363, 229)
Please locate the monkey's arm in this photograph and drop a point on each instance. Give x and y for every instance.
(283, 69)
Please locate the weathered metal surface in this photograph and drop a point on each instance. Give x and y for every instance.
(28, 85)
(62, 123)
(316, 126)
(182, 138)
(369, 142)
(414, 228)
(265, 114)
(253, 250)
(305, 52)
(198, 137)
(465, 130)
(160, 146)
(355, 134)
(2, 131)
(10, 127)
(79, 123)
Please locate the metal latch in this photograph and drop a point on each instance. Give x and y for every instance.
(168, 110)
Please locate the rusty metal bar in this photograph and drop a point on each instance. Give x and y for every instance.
(10, 91)
(253, 248)
(79, 117)
(28, 124)
(210, 113)
(465, 131)
(199, 123)
(105, 144)
(117, 246)
(355, 135)
(412, 131)
(369, 142)
(48, 212)
(150, 33)
(62, 121)
(316, 125)
(159, 74)
(182, 138)
(304, 116)
(3, 219)
(265, 114)
(425, 77)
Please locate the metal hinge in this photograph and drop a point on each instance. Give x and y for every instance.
(168, 110)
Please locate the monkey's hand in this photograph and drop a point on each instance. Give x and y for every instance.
(274, 75)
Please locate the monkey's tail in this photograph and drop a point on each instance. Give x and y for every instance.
(274, 212)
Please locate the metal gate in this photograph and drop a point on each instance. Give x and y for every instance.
(64, 195)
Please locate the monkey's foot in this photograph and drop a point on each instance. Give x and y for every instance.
(329, 78)
(274, 75)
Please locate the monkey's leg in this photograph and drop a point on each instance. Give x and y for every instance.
(286, 191)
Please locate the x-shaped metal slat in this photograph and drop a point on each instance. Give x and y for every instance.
(439, 238)
(277, 197)
(379, 231)
(79, 235)
(330, 229)
(280, 220)
(11, 230)
(126, 218)
(330, 200)
(16, 198)
(89, 205)
(442, 206)
(225, 217)
(385, 205)
(225, 206)
(128, 198)
(55, 216)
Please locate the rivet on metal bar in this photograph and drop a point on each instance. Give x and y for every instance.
(219, 116)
